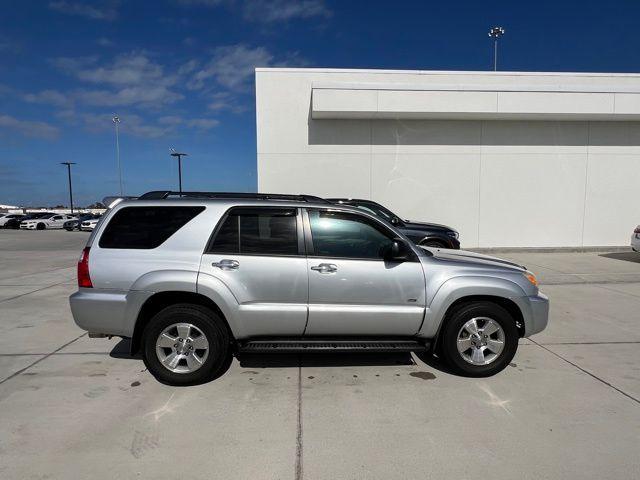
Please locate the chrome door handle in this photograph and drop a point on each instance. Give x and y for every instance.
(227, 264)
(325, 268)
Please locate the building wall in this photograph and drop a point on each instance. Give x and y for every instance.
(501, 183)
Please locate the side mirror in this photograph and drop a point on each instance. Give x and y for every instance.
(397, 251)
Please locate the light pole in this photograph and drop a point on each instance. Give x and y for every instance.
(495, 33)
(116, 121)
(68, 164)
(179, 156)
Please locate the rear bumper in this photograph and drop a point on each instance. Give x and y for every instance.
(107, 311)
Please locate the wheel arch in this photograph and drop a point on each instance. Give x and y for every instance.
(161, 300)
(444, 242)
(464, 289)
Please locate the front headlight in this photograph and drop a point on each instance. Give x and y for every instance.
(452, 233)
(531, 277)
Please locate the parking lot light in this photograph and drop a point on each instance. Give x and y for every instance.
(179, 156)
(68, 164)
(495, 33)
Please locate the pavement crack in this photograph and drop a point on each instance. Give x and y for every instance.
(41, 359)
(33, 291)
(298, 475)
(592, 375)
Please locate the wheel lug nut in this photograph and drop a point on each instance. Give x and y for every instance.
(175, 345)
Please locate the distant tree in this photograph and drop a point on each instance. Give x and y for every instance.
(59, 206)
(97, 205)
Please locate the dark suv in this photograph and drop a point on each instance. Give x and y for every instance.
(425, 234)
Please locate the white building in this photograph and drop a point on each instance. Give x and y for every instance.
(507, 158)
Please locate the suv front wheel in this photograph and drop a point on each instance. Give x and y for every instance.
(480, 339)
(185, 344)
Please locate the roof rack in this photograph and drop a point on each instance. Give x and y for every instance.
(163, 194)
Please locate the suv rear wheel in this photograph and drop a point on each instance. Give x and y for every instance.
(185, 344)
(480, 339)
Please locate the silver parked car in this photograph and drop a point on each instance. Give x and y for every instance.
(192, 280)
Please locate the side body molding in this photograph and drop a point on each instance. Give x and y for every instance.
(466, 286)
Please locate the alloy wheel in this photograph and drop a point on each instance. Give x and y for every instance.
(480, 341)
(182, 348)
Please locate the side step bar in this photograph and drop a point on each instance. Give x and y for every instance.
(330, 345)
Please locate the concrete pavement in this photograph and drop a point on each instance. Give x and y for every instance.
(567, 407)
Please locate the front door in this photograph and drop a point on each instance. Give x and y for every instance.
(352, 289)
(258, 253)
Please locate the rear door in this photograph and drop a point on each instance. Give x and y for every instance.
(352, 289)
(258, 253)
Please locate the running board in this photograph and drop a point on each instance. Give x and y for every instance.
(330, 345)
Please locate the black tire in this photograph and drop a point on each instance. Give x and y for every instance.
(41, 226)
(211, 325)
(454, 324)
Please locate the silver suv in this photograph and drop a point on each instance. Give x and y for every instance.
(194, 279)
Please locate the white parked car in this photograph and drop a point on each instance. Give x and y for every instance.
(89, 225)
(8, 216)
(50, 220)
(635, 239)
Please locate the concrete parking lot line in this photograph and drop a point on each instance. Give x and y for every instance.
(299, 434)
(631, 397)
(14, 374)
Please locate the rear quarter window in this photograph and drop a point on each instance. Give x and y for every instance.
(145, 227)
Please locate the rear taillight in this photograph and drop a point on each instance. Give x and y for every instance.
(84, 280)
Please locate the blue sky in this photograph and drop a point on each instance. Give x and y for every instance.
(179, 73)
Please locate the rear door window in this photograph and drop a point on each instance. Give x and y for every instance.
(145, 227)
(258, 232)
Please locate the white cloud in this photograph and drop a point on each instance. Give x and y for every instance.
(203, 123)
(29, 128)
(221, 101)
(232, 67)
(133, 79)
(149, 96)
(104, 42)
(106, 11)
(189, 41)
(134, 68)
(50, 97)
(271, 11)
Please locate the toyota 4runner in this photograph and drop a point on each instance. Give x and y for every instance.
(193, 278)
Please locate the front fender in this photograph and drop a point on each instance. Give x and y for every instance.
(465, 286)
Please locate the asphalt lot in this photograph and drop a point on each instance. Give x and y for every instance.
(567, 407)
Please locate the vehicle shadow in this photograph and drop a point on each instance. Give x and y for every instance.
(294, 360)
(630, 256)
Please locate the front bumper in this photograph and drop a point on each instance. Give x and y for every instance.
(28, 226)
(539, 317)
